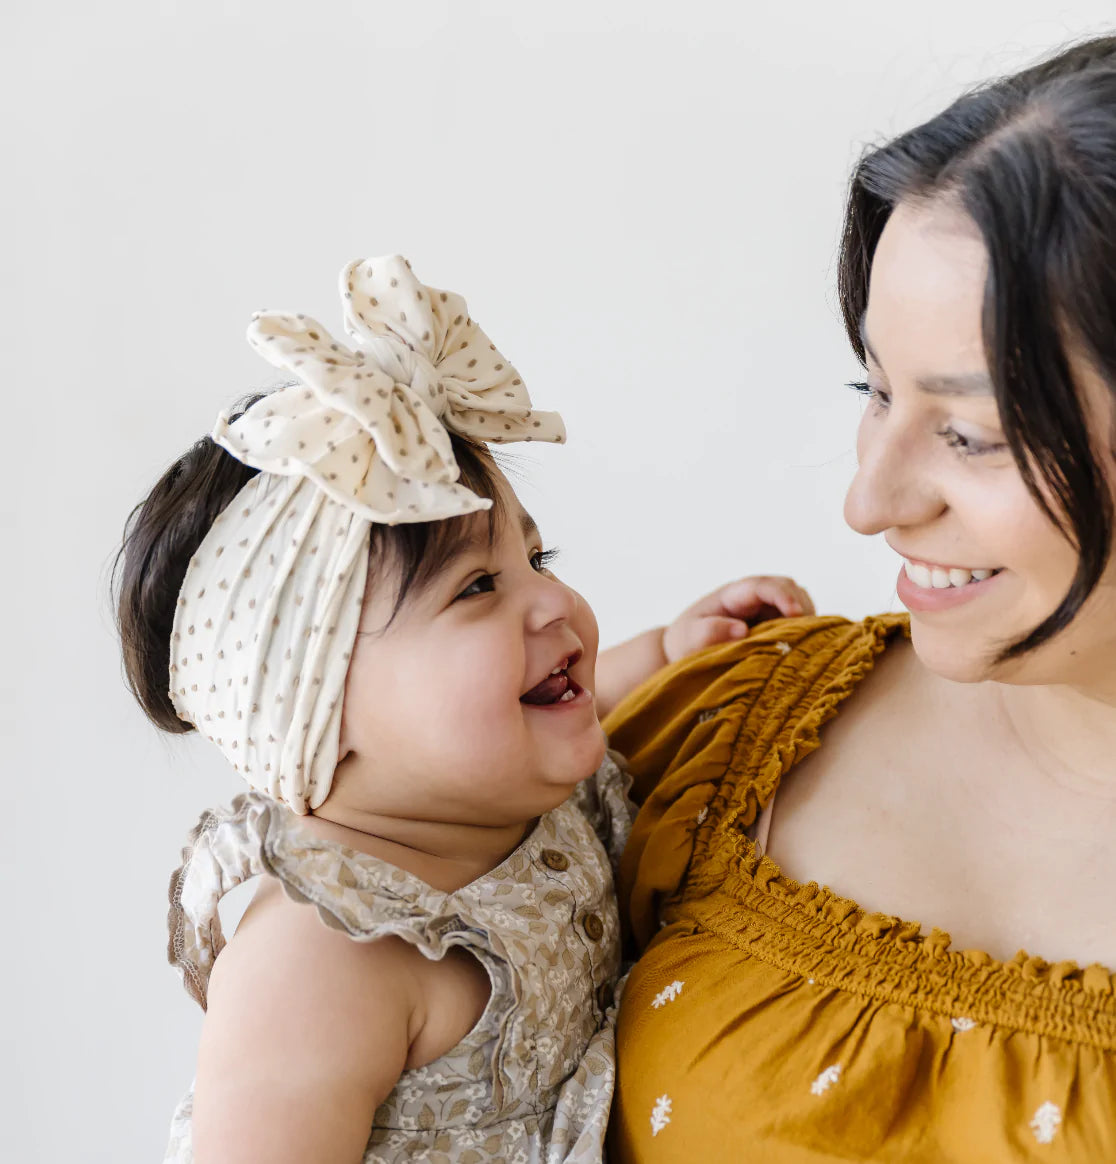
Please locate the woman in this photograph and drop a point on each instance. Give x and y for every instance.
(957, 767)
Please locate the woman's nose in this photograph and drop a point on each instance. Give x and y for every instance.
(894, 486)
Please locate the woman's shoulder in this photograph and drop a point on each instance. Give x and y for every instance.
(770, 679)
(714, 733)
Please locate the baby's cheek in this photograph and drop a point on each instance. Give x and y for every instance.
(586, 628)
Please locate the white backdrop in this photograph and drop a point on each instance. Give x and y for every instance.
(641, 202)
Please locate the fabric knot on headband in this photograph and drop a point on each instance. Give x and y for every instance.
(270, 604)
(368, 424)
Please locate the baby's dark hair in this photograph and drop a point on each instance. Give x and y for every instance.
(165, 530)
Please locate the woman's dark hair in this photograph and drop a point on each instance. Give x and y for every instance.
(164, 531)
(1031, 159)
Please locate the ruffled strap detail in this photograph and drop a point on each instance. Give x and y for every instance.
(352, 892)
(367, 898)
(708, 739)
(216, 858)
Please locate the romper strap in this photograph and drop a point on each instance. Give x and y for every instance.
(223, 851)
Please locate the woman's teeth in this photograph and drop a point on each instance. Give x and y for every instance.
(937, 578)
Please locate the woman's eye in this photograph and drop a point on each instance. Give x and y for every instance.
(484, 584)
(542, 559)
(968, 446)
(875, 395)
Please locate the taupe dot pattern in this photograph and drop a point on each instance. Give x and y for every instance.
(362, 437)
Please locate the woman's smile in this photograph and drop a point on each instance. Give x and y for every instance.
(923, 588)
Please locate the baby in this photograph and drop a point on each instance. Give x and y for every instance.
(352, 605)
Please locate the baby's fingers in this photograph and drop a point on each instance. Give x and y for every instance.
(695, 634)
(766, 597)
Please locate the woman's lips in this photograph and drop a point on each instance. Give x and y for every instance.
(926, 599)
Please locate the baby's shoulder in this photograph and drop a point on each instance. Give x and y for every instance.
(300, 1013)
(282, 951)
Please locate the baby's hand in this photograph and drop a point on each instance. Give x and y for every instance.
(731, 610)
(720, 617)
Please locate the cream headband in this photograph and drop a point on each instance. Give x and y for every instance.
(269, 608)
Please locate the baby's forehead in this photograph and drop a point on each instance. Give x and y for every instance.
(507, 519)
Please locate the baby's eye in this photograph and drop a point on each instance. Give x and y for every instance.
(484, 584)
(541, 559)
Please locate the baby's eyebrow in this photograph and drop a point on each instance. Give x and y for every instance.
(527, 524)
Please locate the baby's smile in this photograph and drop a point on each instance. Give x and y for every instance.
(557, 687)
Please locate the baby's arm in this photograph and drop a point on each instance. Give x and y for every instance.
(306, 1033)
(717, 618)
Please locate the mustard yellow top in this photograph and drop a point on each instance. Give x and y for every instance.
(772, 1021)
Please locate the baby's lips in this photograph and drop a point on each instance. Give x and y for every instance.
(552, 688)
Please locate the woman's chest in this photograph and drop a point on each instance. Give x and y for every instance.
(934, 825)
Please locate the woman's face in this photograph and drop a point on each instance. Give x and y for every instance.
(982, 564)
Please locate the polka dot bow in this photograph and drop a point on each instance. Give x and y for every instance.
(367, 424)
(270, 605)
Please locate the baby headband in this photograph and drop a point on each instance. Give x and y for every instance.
(269, 608)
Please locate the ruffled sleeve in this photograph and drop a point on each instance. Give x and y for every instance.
(214, 861)
(714, 733)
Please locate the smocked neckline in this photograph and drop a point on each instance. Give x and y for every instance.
(819, 912)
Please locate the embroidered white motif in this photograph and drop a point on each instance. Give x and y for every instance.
(783, 648)
(660, 1114)
(810, 981)
(1045, 1122)
(702, 815)
(826, 1080)
(669, 994)
(962, 1024)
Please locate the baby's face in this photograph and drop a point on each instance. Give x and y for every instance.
(475, 703)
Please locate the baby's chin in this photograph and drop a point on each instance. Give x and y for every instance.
(584, 760)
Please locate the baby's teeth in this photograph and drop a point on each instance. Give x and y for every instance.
(919, 575)
(939, 579)
(567, 696)
(960, 577)
(980, 575)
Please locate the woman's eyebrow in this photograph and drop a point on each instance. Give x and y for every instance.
(962, 384)
(965, 384)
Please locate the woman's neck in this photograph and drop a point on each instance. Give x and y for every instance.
(1069, 734)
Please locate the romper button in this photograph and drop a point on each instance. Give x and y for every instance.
(552, 859)
(604, 995)
(594, 927)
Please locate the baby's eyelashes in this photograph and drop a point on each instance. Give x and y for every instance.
(484, 584)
